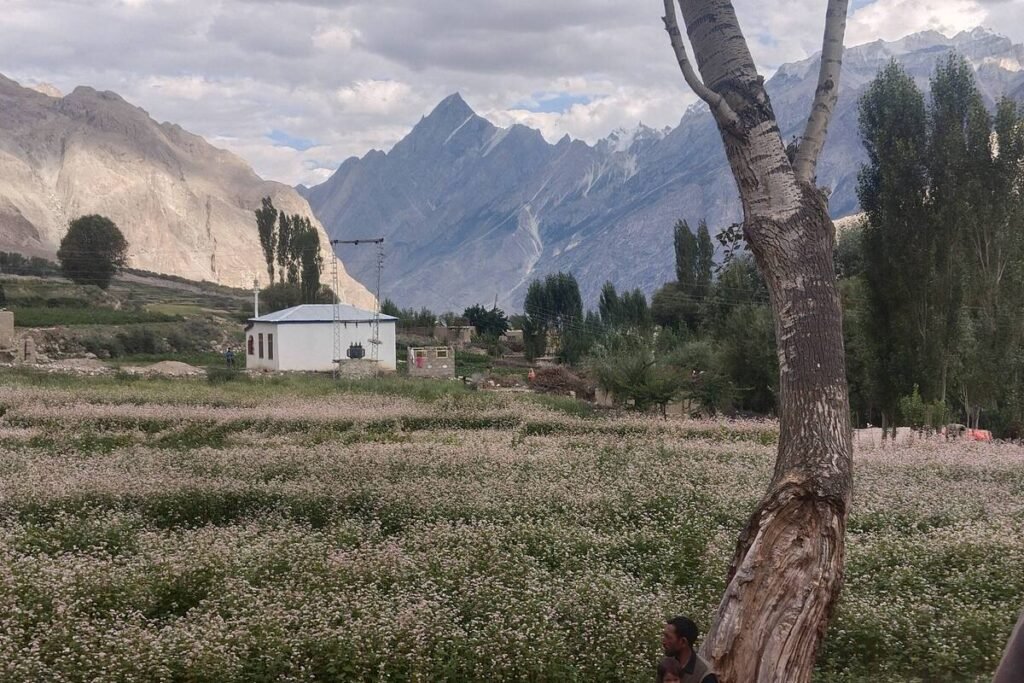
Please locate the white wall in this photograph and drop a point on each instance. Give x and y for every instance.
(254, 360)
(310, 346)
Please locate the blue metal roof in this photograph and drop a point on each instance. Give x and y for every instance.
(320, 313)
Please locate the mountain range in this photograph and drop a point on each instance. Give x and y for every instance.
(184, 206)
(472, 212)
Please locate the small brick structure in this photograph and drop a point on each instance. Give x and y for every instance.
(432, 361)
(458, 336)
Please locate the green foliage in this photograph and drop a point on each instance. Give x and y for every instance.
(705, 381)
(943, 252)
(637, 377)
(52, 317)
(673, 308)
(389, 307)
(306, 248)
(16, 264)
(554, 306)
(284, 242)
(92, 251)
(489, 323)
(282, 295)
(220, 375)
(266, 225)
(685, 243)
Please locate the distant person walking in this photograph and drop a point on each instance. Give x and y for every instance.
(229, 358)
(679, 640)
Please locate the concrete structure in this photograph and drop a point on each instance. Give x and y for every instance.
(302, 339)
(432, 361)
(458, 336)
(513, 337)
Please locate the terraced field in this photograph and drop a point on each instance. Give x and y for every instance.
(298, 530)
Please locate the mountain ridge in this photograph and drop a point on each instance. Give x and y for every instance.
(472, 211)
(184, 206)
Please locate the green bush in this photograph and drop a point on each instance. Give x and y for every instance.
(44, 316)
(218, 375)
(140, 340)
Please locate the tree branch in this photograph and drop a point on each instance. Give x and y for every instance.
(719, 107)
(806, 162)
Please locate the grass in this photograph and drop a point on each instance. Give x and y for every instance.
(296, 528)
(53, 317)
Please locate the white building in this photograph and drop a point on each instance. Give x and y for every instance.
(302, 338)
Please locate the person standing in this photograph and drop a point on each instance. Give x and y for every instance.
(679, 641)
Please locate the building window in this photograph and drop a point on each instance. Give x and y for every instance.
(421, 353)
(261, 345)
(252, 352)
(442, 353)
(270, 346)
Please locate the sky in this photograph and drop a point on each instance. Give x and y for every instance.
(297, 86)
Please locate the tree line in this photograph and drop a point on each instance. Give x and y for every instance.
(933, 281)
(291, 249)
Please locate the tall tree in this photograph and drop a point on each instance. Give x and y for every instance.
(266, 224)
(705, 260)
(787, 571)
(92, 251)
(308, 260)
(686, 256)
(943, 247)
(897, 243)
(608, 305)
(958, 151)
(284, 241)
(555, 306)
(304, 244)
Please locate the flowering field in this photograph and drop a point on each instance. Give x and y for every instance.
(158, 530)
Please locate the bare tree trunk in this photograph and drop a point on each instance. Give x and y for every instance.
(788, 568)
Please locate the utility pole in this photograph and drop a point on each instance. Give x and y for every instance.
(375, 341)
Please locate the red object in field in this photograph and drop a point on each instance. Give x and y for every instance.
(531, 375)
(979, 435)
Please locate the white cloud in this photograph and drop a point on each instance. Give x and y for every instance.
(893, 19)
(354, 75)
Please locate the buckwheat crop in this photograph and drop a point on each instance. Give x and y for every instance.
(191, 534)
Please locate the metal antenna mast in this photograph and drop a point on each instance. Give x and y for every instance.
(375, 340)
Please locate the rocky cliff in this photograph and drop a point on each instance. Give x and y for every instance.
(185, 207)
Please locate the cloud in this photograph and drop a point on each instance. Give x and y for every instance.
(893, 19)
(339, 77)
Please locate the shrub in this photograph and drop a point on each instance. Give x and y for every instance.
(140, 340)
(218, 375)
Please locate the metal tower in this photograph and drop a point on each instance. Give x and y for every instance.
(375, 341)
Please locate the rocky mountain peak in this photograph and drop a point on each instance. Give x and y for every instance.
(467, 207)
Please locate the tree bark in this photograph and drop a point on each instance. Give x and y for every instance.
(788, 568)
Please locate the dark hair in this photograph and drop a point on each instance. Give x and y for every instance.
(685, 628)
(669, 665)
